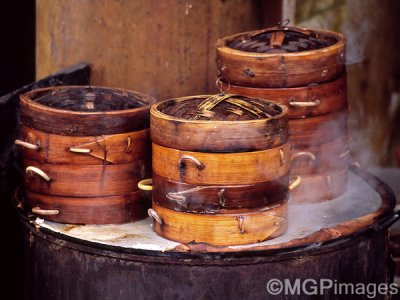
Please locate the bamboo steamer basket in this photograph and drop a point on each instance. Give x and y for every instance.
(280, 57)
(306, 101)
(90, 210)
(236, 228)
(216, 136)
(220, 169)
(217, 198)
(85, 149)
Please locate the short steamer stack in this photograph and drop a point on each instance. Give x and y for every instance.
(305, 70)
(220, 169)
(85, 149)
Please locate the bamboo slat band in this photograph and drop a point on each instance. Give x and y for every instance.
(222, 229)
(86, 180)
(306, 101)
(320, 129)
(90, 210)
(88, 150)
(221, 168)
(217, 199)
(325, 158)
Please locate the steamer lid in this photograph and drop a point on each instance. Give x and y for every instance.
(281, 39)
(88, 99)
(221, 107)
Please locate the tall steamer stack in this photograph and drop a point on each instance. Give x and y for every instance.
(220, 169)
(305, 70)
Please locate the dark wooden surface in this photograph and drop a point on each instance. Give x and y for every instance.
(164, 48)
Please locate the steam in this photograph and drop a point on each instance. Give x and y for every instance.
(356, 34)
(332, 158)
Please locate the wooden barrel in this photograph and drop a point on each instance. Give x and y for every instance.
(305, 70)
(220, 166)
(112, 265)
(281, 57)
(85, 150)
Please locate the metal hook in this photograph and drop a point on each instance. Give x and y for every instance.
(27, 145)
(295, 183)
(153, 215)
(176, 197)
(31, 170)
(240, 220)
(221, 197)
(284, 23)
(129, 144)
(329, 186)
(145, 184)
(282, 157)
(45, 212)
(219, 85)
(197, 162)
(311, 156)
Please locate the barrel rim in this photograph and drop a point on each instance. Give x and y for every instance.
(375, 222)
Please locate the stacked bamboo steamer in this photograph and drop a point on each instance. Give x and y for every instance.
(85, 149)
(305, 70)
(220, 169)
